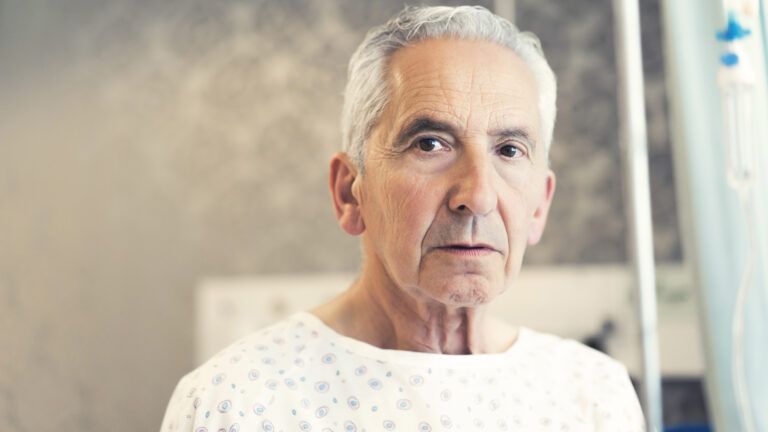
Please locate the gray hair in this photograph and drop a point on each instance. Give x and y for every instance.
(367, 92)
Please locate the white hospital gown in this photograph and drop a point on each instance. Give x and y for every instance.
(301, 375)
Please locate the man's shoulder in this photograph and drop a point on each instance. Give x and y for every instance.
(567, 352)
(245, 358)
(239, 378)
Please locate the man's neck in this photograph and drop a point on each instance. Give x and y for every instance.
(378, 312)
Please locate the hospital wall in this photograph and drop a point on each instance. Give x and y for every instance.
(147, 145)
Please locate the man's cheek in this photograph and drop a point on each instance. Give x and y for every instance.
(407, 206)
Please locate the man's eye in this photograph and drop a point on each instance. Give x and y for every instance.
(429, 145)
(509, 151)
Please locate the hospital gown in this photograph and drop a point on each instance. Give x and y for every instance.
(301, 375)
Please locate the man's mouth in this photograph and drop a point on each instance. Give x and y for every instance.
(468, 249)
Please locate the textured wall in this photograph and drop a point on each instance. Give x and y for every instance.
(146, 145)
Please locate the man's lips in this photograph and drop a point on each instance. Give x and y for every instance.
(468, 249)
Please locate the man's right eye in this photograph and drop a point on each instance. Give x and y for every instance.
(429, 145)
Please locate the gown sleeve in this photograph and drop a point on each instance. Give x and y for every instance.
(616, 407)
(180, 412)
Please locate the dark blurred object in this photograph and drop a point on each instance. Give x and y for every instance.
(598, 340)
(689, 428)
(684, 405)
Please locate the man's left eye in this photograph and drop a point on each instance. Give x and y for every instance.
(509, 150)
(429, 145)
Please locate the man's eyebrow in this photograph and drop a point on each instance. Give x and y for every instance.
(421, 124)
(518, 133)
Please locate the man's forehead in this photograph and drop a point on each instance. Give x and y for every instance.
(465, 83)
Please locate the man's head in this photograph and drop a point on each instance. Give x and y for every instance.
(455, 151)
(367, 90)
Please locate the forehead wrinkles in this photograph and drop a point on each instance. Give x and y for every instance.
(518, 115)
(465, 101)
(427, 88)
(472, 88)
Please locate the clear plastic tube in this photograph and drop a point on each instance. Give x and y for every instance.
(737, 84)
(738, 370)
(737, 113)
(737, 91)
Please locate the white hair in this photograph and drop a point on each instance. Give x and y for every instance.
(367, 92)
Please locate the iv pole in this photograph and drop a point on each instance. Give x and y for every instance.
(635, 150)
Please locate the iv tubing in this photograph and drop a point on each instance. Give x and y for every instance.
(736, 79)
(737, 328)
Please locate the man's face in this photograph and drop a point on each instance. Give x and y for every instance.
(456, 181)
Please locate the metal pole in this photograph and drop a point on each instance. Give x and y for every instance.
(635, 150)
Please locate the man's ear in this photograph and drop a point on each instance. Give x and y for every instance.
(539, 220)
(343, 177)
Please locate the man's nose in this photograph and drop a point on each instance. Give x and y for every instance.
(473, 192)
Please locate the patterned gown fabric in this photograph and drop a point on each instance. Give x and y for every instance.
(301, 375)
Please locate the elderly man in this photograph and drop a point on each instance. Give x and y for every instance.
(447, 123)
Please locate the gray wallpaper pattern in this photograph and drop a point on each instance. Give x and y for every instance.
(146, 145)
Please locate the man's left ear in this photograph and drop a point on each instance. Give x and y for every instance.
(539, 220)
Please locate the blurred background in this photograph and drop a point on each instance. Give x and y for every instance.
(163, 170)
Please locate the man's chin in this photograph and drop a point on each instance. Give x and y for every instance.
(464, 290)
